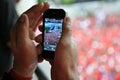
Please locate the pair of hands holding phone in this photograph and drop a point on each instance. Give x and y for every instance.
(26, 53)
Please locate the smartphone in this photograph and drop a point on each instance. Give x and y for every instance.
(52, 30)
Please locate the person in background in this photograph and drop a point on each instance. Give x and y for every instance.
(8, 17)
(64, 64)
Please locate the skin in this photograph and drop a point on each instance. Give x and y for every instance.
(26, 53)
(64, 65)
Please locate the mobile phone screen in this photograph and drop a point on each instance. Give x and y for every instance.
(52, 33)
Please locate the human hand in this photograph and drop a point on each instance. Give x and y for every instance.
(22, 35)
(64, 65)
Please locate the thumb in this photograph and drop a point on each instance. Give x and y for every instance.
(23, 27)
(67, 29)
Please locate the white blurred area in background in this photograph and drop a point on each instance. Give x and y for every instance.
(24, 5)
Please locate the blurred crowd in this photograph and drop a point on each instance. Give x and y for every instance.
(99, 47)
(54, 36)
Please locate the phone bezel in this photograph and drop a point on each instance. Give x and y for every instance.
(51, 13)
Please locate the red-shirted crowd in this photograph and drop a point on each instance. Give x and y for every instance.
(99, 47)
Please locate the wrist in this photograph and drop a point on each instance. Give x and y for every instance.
(26, 70)
(18, 76)
(12, 75)
(65, 74)
(69, 75)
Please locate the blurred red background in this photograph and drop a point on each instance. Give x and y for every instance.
(98, 47)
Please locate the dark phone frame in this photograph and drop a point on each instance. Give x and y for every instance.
(51, 13)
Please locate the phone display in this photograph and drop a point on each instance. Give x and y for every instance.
(52, 30)
(52, 33)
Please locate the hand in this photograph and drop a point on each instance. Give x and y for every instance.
(22, 36)
(64, 65)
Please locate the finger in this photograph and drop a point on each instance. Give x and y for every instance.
(38, 39)
(39, 23)
(40, 27)
(35, 13)
(22, 29)
(39, 20)
(39, 51)
(67, 29)
(46, 6)
(75, 46)
(35, 10)
(31, 34)
(14, 31)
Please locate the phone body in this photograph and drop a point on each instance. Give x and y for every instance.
(52, 30)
